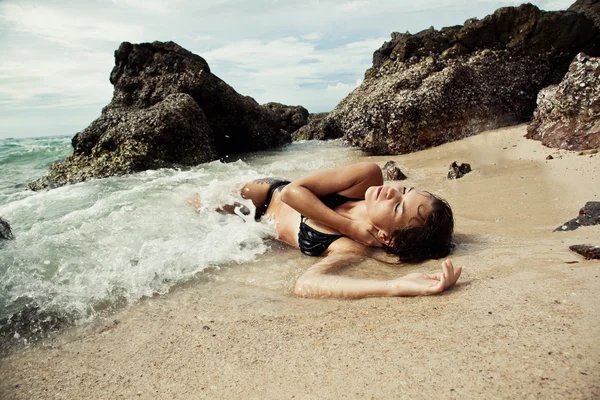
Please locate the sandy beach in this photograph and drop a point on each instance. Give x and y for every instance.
(523, 322)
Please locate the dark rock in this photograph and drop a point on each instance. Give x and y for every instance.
(567, 114)
(5, 230)
(588, 215)
(437, 86)
(549, 157)
(590, 8)
(29, 325)
(318, 128)
(391, 172)
(172, 132)
(291, 118)
(589, 252)
(167, 110)
(456, 171)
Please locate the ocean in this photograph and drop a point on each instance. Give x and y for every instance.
(87, 249)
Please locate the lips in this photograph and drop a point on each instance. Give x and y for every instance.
(378, 192)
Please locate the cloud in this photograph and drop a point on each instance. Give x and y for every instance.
(57, 54)
(64, 26)
(153, 6)
(288, 69)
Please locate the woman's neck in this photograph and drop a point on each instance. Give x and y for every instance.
(354, 210)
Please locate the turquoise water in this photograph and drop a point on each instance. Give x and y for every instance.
(81, 249)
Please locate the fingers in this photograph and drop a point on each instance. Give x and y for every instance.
(449, 275)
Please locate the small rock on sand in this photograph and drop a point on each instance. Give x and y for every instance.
(588, 251)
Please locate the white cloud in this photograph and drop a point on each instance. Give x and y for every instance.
(288, 69)
(60, 26)
(354, 6)
(57, 54)
(312, 36)
(154, 6)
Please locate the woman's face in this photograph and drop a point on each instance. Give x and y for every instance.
(392, 206)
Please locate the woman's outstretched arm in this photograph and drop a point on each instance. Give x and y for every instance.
(317, 281)
(351, 181)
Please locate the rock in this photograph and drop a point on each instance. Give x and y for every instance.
(456, 170)
(437, 86)
(29, 325)
(590, 8)
(549, 157)
(568, 114)
(391, 172)
(316, 129)
(589, 252)
(172, 132)
(588, 215)
(5, 230)
(167, 110)
(291, 118)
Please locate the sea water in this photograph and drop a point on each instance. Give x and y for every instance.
(83, 248)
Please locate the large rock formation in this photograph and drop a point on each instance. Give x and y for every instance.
(568, 114)
(437, 86)
(315, 129)
(591, 8)
(168, 109)
(291, 118)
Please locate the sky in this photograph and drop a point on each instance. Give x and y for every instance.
(56, 55)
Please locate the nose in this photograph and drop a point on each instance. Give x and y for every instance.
(393, 192)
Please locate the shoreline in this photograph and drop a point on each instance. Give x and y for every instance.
(522, 321)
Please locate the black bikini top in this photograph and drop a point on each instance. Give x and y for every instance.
(311, 241)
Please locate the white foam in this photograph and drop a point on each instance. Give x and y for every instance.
(82, 247)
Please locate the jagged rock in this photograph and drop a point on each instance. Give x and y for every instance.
(568, 114)
(316, 129)
(172, 132)
(588, 215)
(167, 110)
(5, 231)
(291, 118)
(589, 252)
(456, 171)
(590, 8)
(391, 172)
(29, 325)
(437, 86)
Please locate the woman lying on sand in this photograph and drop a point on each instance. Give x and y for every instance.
(345, 214)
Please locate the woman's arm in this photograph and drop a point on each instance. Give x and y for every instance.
(317, 281)
(351, 181)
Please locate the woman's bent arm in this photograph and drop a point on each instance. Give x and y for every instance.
(317, 282)
(351, 181)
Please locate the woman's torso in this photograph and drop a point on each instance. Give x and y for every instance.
(288, 220)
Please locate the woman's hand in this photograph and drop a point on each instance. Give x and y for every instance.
(363, 233)
(420, 284)
(194, 202)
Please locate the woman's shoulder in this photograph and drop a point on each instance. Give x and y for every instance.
(347, 245)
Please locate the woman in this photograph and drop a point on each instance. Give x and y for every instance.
(346, 214)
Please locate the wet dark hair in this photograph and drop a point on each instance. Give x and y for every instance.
(433, 239)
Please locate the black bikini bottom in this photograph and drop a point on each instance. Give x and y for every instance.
(260, 211)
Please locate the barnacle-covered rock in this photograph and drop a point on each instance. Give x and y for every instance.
(5, 230)
(568, 114)
(438, 86)
(167, 110)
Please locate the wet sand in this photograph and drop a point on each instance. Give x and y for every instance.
(523, 321)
